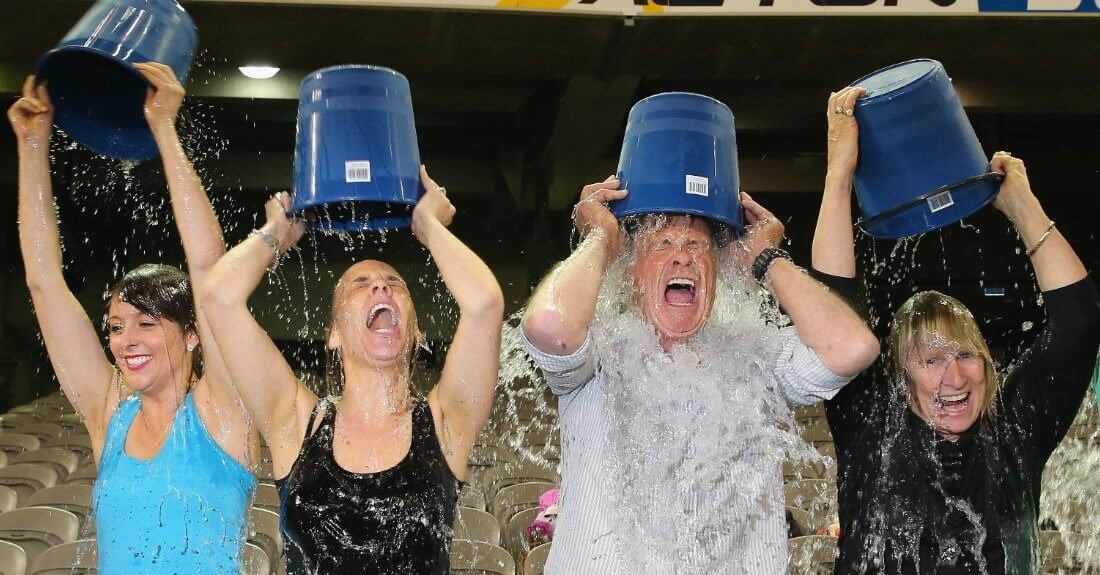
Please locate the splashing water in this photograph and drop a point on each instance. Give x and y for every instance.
(696, 437)
(1071, 482)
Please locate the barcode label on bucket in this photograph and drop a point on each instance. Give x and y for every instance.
(698, 185)
(940, 201)
(357, 171)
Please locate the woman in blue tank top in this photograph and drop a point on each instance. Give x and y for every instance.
(369, 481)
(170, 437)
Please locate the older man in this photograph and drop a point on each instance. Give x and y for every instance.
(673, 277)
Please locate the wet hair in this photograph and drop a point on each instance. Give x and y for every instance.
(160, 291)
(930, 317)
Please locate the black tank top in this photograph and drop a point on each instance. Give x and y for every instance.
(394, 521)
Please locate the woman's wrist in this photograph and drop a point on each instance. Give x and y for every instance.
(33, 146)
(281, 232)
(1028, 216)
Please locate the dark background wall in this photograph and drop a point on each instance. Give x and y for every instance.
(516, 111)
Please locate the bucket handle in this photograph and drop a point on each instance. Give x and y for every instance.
(862, 222)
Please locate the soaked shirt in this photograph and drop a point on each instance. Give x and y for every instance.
(394, 521)
(584, 538)
(911, 501)
(181, 512)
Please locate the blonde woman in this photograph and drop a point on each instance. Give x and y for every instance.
(940, 469)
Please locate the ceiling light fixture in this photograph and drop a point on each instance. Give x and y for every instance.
(259, 72)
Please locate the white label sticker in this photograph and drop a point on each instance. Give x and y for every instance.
(357, 171)
(698, 185)
(940, 201)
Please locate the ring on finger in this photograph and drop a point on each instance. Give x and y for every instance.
(839, 109)
(849, 112)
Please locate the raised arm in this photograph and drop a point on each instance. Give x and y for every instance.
(834, 240)
(260, 374)
(199, 229)
(72, 342)
(1056, 264)
(558, 315)
(465, 390)
(825, 323)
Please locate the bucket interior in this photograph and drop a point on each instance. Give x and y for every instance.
(99, 102)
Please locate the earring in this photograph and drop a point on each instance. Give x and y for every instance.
(190, 347)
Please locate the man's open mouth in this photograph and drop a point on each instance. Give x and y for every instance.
(680, 292)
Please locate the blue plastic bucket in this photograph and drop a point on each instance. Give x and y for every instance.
(921, 166)
(680, 156)
(97, 95)
(356, 165)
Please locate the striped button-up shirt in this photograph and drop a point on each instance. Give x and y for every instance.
(584, 541)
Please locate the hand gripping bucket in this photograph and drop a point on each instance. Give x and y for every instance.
(97, 95)
(356, 165)
(920, 165)
(679, 156)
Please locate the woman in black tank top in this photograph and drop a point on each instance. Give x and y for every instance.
(381, 508)
(399, 518)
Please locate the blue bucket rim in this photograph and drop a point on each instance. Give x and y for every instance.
(123, 64)
(343, 67)
(694, 94)
(724, 220)
(877, 98)
(347, 198)
(876, 226)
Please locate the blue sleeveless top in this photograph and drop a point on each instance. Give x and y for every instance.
(180, 512)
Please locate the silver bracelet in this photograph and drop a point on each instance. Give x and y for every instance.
(271, 241)
(1042, 239)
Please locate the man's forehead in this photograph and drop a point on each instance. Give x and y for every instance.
(678, 224)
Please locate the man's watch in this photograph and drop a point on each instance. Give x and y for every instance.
(764, 261)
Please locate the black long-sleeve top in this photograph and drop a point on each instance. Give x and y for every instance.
(913, 502)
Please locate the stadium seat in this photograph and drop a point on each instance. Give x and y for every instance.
(515, 498)
(476, 525)
(500, 477)
(254, 561)
(77, 558)
(515, 531)
(59, 459)
(36, 529)
(73, 498)
(817, 497)
(43, 431)
(84, 475)
(12, 421)
(536, 560)
(471, 497)
(79, 443)
(263, 532)
(26, 478)
(477, 558)
(811, 555)
(13, 560)
(13, 444)
(9, 499)
(267, 497)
